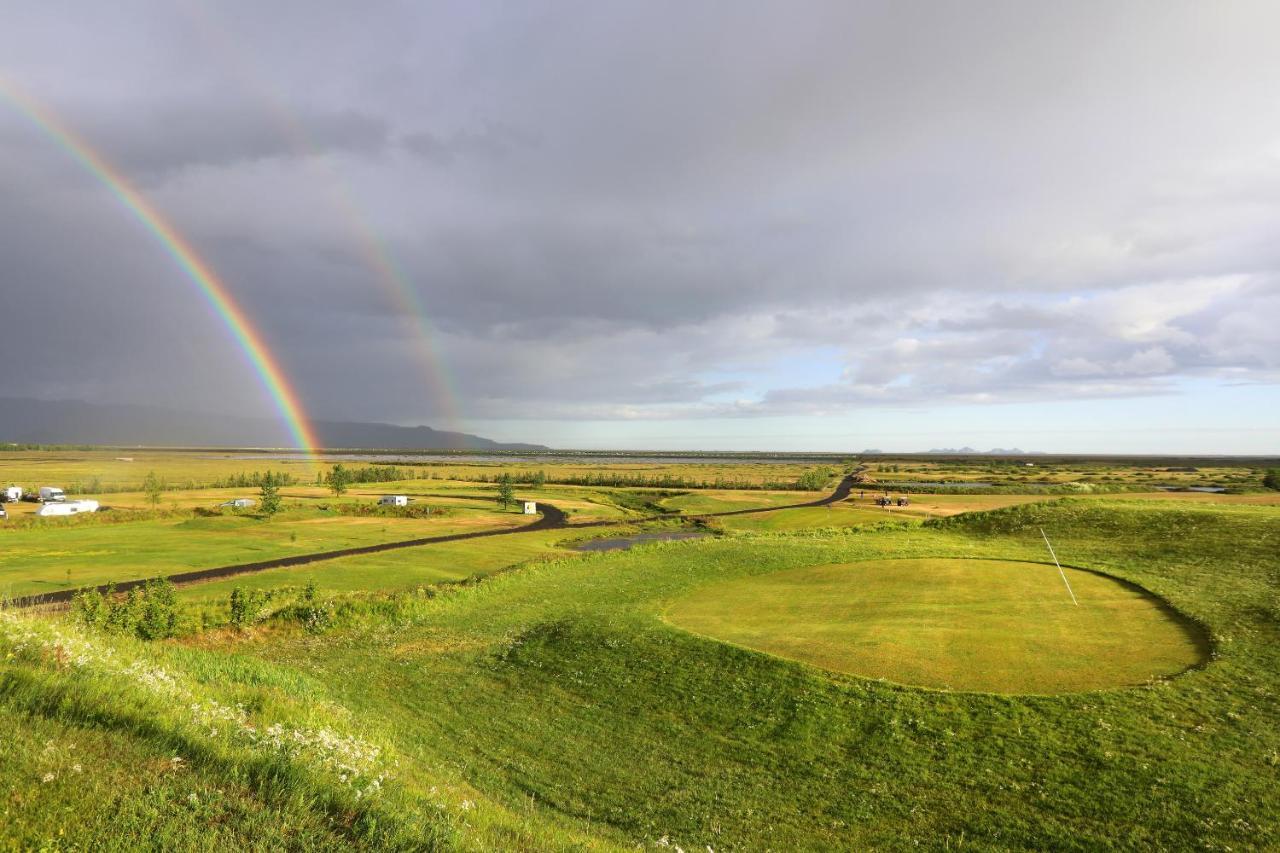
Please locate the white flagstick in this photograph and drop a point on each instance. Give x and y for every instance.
(1060, 571)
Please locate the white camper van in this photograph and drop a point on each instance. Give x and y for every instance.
(67, 508)
(49, 494)
(393, 500)
(13, 494)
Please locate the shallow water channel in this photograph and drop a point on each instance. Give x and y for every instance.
(622, 543)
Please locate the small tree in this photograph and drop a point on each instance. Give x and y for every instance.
(338, 480)
(540, 479)
(89, 608)
(152, 487)
(1272, 479)
(269, 496)
(506, 491)
(158, 614)
(246, 606)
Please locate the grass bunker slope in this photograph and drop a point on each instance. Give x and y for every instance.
(963, 624)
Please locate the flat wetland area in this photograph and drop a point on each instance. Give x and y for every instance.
(839, 676)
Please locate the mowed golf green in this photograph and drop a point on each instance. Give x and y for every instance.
(979, 625)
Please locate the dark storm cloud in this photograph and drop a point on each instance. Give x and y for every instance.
(653, 209)
(166, 138)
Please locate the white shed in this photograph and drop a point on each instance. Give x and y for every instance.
(530, 507)
(394, 500)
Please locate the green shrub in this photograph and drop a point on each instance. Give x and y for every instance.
(89, 608)
(247, 605)
(158, 611)
(315, 615)
(149, 612)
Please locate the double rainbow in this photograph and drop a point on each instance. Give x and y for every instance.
(215, 292)
(376, 254)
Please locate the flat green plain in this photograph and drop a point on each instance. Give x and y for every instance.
(41, 559)
(977, 625)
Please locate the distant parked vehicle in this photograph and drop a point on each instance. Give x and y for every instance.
(3, 514)
(239, 503)
(51, 494)
(55, 508)
(12, 494)
(393, 500)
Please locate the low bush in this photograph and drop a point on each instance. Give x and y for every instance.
(150, 611)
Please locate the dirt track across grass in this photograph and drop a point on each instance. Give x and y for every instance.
(552, 518)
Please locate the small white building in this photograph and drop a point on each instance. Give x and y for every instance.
(530, 507)
(67, 508)
(393, 500)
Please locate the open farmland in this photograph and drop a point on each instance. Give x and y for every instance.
(511, 692)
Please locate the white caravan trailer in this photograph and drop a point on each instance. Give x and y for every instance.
(51, 493)
(393, 500)
(67, 508)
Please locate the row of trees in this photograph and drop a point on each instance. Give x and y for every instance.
(340, 477)
(812, 480)
(254, 480)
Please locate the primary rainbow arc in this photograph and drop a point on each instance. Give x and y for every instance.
(215, 292)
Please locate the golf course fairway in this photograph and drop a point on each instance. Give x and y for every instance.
(959, 624)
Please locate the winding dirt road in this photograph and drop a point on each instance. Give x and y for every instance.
(553, 518)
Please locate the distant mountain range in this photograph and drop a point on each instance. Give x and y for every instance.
(995, 451)
(969, 451)
(73, 422)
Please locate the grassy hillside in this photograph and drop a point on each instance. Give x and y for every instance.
(553, 708)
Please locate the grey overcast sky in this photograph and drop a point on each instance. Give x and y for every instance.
(790, 225)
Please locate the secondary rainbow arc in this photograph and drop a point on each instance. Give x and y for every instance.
(377, 255)
(215, 292)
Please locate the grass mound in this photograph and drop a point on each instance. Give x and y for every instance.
(989, 625)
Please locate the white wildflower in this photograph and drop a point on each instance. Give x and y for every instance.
(353, 761)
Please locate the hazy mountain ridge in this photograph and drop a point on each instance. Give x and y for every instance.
(76, 422)
(995, 451)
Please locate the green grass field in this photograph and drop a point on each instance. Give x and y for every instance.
(399, 570)
(720, 500)
(75, 554)
(567, 702)
(989, 625)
